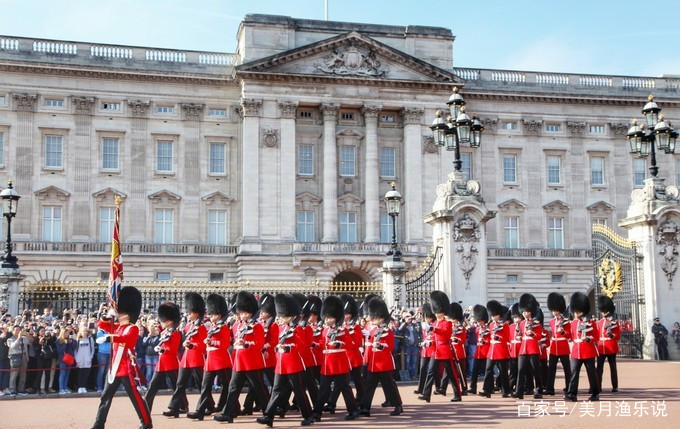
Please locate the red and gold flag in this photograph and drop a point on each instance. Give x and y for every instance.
(116, 272)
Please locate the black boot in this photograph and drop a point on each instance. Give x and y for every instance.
(171, 413)
(308, 421)
(397, 410)
(266, 420)
(353, 415)
(365, 412)
(195, 416)
(329, 409)
(386, 404)
(223, 418)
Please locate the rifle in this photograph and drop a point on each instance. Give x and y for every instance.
(165, 337)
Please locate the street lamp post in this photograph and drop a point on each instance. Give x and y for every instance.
(10, 201)
(654, 134)
(393, 202)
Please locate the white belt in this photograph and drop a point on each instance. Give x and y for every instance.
(367, 344)
(496, 342)
(516, 342)
(334, 351)
(212, 349)
(558, 339)
(239, 347)
(606, 339)
(528, 338)
(578, 340)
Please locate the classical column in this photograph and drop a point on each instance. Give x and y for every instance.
(139, 143)
(413, 173)
(192, 113)
(372, 213)
(250, 171)
(24, 104)
(82, 170)
(330, 174)
(287, 174)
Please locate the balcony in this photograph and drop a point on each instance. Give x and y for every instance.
(540, 253)
(30, 247)
(359, 248)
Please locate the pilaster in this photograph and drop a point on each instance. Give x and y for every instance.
(250, 180)
(413, 173)
(84, 109)
(287, 172)
(372, 182)
(136, 210)
(330, 174)
(25, 105)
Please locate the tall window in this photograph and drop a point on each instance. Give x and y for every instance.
(510, 169)
(385, 228)
(554, 170)
(110, 153)
(217, 227)
(597, 170)
(51, 230)
(53, 151)
(2, 149)
(388, 162)
(348, 227)
(305, 226)
(639, 172)
(677, 172)
(466, 165)
(106, 215)
(306, 160)
(512, 232)
(348, 160)
(218, 158)
(164, 226)
(164, 155)
(556, 233)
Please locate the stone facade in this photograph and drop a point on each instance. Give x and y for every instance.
(225, 160)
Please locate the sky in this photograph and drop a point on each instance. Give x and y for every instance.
(616, 37)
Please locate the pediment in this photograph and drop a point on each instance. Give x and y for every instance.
(349, 202)
(59, 193)
(164, 196)
(106, 192)
(600, 207)
(217, 196)
(348, 56)
(512, 205)
(557, 207)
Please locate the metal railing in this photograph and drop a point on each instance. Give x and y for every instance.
(423, 280)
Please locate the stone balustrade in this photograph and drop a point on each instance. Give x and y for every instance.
(540, 253)
(358, 248)
(27, 247)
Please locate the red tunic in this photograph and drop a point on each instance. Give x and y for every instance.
(483, 342)
(583, 349)
(290, 341)
(336, 360)
(168, 354)
(559, 342)
(124, 339)
(271, 338)
(458, 340)
(609, 342)
(531, 335)
(367, 333)
(499, 338)
(306, 351)
(317, 351)
(428, 346)
(218, 350)
(193, 356)
(354, 350)
(515, 340)
(442, 339)
(248, 356)
(379, 347)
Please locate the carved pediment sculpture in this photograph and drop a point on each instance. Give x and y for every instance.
(350, 61)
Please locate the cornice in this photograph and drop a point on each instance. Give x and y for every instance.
(472, 94)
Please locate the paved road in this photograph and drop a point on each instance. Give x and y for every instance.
(639, 381)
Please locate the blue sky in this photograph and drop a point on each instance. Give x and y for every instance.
(596, 36)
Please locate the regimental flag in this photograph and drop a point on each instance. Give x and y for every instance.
(116, 272)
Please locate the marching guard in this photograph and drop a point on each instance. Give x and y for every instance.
(608, 345)
(458, 339)
(531, 331)
(426, 347)
(168, 352)
(515, 344)
(498, 350)
(583, 352)
(481, 317)
(560, 326)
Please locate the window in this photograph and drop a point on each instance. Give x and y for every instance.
(597, 129)
(466, 165)
(305, 226)
(557, 278)
(554, 170)
(509, 125)
(385, 228)
(216, 277)
(218, 158)
(510, 169)
(164, 226)
(555, 233)
(512, 232)
(306, 160)
(2, 148)
(677, 172)
(217, 227)
(347, 160)
(106, 215)
(217, 112)
(388, 118)
(51, 230)
(348, 227)
(639, 172)
(552, 128)
(600, 221)
(165, 109)
(512, 278)
(51, 102)
(597, 170)
(3, 100)
(53, 151)
(306, 114)
(388, 162)
(162, 276)
(347, 116)
(104, 275)
(114, 107)
(164, 155)
(110, 153)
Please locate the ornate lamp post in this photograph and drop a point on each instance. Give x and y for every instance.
(655, 134)
(457, 129)
(10, 201)
(393, 202)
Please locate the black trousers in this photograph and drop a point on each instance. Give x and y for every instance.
(179, 397)
(478, 367)
(250, 397)
(459, 370)
(238, 379)
(512, 366)
(590, 370)
(342, 382)
(44, 366)
(158, 381)
(282, 387)
(552, 371)
(662, 347)
(523, 363)
(206, 401)
(611, 358)
(388, 385)
(502, 375)
(138, 402)
(355, 374)
(432, 372)
(424, 365)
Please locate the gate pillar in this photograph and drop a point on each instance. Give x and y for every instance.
(393, 272)
(653, 221)
(459, 218)
(10, 289)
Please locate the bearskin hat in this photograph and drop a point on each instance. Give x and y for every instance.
(505, 315)
(514, 311)
(539, 315)
(363, 308)
(480, 313)
(286, 305)
(527, 302)
(439, 301)
(377, 309)
(605, 304)
(332, 307)
(579, 302)
(130, 302)
(232, 302)
(314, 304)
(494, 308)
(455, 311)
(246, 302)
(194, 303)
(268, 305)
(556, 302)
(217, 305)
(169, 311)
(349, 305)
(426, 311)
(302, 303)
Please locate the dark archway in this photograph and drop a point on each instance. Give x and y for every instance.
(348, 277)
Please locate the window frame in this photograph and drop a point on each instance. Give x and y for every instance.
(342, 162)
(103, 138)
(214, 235)
(636, 172)
(552, 229)
(503, 158)
(382, 162)
(508, 228)
(603, 159)
(46, 136)
(349, 226)
(225, 160)
(469, 174)
(49, 103)
(165, 109)
(105, 238)
(60, 222)
(164, 222)
(559, 169)
(300, 160)
(553, 128)
(172, 142)
(305, 225)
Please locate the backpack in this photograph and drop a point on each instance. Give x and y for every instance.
(48, 351)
